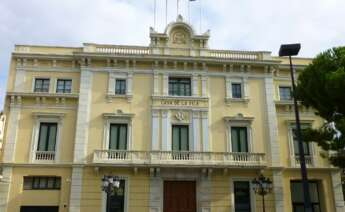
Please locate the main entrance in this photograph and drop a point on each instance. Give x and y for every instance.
(179, 196)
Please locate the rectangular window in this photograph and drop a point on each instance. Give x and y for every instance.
(41, 85)
(239, 139)
(117, 199)
(120, 86)
(236, 90)
(42, 182)
(285, 93)
(180, 135)
(297, 196)
(242, 196)
(47, 137)
(118, 137)
(306, 146)
(39, 208)
(179, 86)
(64, 86)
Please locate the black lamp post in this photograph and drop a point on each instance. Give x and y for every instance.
(292, 50)
(262, 186)
(109, 184)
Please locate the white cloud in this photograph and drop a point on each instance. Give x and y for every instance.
(234, 24)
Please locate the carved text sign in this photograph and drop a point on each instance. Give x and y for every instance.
(180, 102)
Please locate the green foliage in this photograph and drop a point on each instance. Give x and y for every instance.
(322, 86)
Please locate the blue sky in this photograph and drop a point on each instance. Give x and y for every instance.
(234, 24)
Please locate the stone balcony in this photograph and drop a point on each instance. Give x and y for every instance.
(178, 159)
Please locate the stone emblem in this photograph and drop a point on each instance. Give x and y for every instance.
(179, 38)
(179, 116)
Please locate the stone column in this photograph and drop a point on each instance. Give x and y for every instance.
(83, 116)
(129, 83)
(81, 136)
(76, 189)
(155, 130)
(165, 85)
(272, 127)
(204, 122)
(204, 196)
(166, 141)
(12, 130)
(278, 191)
(195, 144)
(155, 84)
(338, 192)
(204, 80)
(156, 194)
(5, 185)
(195, 90)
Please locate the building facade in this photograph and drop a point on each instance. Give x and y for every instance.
(183, 126)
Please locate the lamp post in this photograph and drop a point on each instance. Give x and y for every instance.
(109, 184)
(292, 50)
(262, 186)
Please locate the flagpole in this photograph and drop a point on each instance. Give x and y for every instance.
(166, 12)
(154, 14)
(189, 11)
(200, 16)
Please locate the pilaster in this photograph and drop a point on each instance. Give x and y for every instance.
(165, 85)
(5, 185)
(205, 194)
(19, 80)
(83, 116)
(129, 83)
(166, 141)
(196, 131)
(156, 191)
(155, 84)
(278, 191)
(12, 130)
(204, 80)
(195, 91)
(155, 130)
(76, 189)
(337, 191)
(204, 123)
(272, 128)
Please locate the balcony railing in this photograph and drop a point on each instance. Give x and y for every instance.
(44, 156)
(178, 158)
(149, 50)
(309, 161)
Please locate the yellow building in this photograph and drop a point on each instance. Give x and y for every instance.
(185, 128)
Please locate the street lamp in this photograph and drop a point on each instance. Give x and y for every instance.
(109, 184)
(262, 186)
(292, 50)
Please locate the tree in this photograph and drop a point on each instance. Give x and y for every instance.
(322, 86)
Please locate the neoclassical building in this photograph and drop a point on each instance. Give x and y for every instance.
(185, 128)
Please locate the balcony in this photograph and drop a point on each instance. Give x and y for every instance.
(180, 159)
(309, 161)
(44, 156)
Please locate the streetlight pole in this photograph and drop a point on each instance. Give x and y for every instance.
(109, 184)
(291, 50)
(262, 186)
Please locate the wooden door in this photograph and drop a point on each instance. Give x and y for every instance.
(179, 196)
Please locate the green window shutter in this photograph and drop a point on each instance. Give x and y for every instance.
(180, 138)
(184, 138)
(47, 137)
(52, 137)
(234, 140)
(239, 139)
(175, 139)
(123, 137)
(118, 137)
